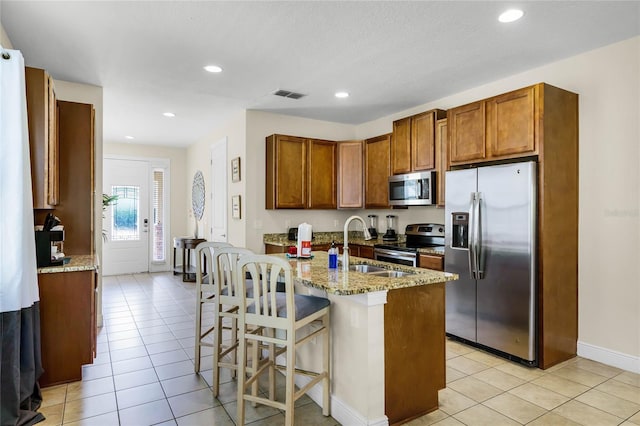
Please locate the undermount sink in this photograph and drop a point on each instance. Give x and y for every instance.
(366, 269)
(378, 271)
(391, 274)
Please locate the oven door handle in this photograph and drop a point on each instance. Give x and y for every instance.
(395, 254)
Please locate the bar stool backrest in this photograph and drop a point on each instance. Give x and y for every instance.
(261, 308)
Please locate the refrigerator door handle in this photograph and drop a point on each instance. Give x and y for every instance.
(477, 238)
(471, 234)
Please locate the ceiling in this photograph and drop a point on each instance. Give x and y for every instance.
(390, 56)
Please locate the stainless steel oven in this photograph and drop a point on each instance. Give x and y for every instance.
(418, 235)
(396, 256)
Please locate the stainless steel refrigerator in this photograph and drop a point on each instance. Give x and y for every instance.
(490, 242)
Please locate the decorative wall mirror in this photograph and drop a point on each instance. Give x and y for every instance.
(197, 199)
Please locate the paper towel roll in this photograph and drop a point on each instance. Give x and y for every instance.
(304, 240)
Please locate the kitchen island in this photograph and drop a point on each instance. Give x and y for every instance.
(387, 339)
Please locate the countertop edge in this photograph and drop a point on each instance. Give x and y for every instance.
(77, 263)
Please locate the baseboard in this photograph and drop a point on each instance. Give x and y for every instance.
(340, 411)
(609, 357)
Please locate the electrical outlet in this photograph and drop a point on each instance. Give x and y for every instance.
(257, 224)
(336, 223)
(287, 224)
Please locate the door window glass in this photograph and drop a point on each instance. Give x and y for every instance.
(124, 224)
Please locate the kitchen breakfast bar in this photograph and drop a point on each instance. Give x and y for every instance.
(387, 338)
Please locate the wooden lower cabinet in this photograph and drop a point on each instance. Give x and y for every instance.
(67, 325)
(431, 261)
(414, 335)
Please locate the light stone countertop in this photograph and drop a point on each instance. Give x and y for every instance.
(77, 263)
(315, 273)
(355, 237)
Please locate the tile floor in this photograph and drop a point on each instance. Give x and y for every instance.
(143, 375)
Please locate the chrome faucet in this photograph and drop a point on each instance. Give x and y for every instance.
(345, 253)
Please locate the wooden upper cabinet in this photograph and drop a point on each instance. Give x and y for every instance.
(377, 170)
(423, 147)
(300, 173)
(497, 128)
(467, 133)
(286, 180)
(401, 146)
(321, 174)
(350, 174)
(413, 146)
(43, 138)
(510, 123)
(442, 164)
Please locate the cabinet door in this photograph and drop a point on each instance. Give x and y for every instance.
(286, 180)
(401, 146)
(510, 123)
(350, 175)
(467, 133)
(67, 326)
(322, 175)
(423, 145)
(53, 163)
(43, 145)
(377, 170)
(442, 142)
(429, 261)
(366, 252)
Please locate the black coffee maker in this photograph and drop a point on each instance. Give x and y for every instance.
(47, 238)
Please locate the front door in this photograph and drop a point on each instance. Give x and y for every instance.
(126, 223)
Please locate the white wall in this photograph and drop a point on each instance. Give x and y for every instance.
(4, 39)
(178, 162)
(607, 81)
(198, 158)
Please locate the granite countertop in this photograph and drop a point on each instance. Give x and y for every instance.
(315, 273)
(77, 263)
(355, 237)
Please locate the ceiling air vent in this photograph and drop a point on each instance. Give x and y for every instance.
(288, 94)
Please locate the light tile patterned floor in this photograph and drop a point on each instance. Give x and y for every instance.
(143, 375)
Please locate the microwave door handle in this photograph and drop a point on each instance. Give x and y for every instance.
(471, 234)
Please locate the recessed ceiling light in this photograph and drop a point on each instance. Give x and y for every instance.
(129, 137)
(342, 94)
(169, 114)
(510, 15)
(213, 68)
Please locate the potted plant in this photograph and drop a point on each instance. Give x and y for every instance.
(107, 200)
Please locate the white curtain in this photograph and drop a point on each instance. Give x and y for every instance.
(20, 359)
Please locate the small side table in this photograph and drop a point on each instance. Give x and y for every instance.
(186, 269)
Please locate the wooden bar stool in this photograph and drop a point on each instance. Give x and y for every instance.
(284, 313)
(227, 302)
(205, 294)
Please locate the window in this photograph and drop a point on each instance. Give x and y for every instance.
(126, 213)
(157, 234)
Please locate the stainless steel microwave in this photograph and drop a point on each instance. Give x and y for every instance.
(413, 189)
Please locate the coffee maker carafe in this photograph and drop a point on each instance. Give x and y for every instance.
(390, 235)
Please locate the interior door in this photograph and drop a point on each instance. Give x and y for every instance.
(218, 187)
(126, 223)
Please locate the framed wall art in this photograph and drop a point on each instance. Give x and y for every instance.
(235, 169)
(235, 207)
